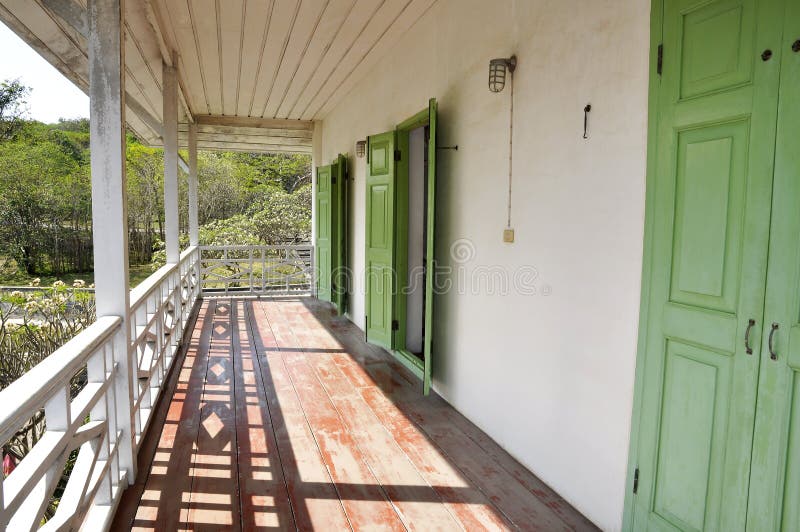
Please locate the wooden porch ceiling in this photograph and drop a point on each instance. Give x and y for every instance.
(237, 59)
(279, 416)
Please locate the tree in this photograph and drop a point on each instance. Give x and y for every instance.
(280, 217)
(13, 107)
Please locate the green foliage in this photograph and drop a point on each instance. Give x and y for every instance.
(45, 196)
(13, 107)
(32, 326)
(280, 217)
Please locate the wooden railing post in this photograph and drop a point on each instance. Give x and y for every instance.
(170, 120)
(109, 202)
(194, 228)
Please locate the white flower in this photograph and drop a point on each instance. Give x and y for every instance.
(31, 307)
(78, 283)
(16, 294)
(58, 284)
(35, 282)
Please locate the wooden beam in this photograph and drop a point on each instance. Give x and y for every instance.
(194, 227)
(247, 139)
(170, 135)
(70, 12)
(251, 148)
(237, 121)
(250, 131)
(168, 55)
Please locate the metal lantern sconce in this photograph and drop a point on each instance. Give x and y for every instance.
(497, 82)
(361, 148)
(497, 72)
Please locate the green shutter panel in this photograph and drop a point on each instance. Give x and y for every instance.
(324, 244)
(339, 251)
(430, 260)
(380, 278)
(775, 476)
(711, 186)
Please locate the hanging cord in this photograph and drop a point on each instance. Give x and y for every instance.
(510, 146)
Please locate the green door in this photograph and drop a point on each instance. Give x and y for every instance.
(430, 262)
(380, 215)
(709, 210)
(775, 478)
(339, 275)
(325, 229)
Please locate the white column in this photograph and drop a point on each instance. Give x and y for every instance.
(194, 231)
(170, 120)
(109, 201)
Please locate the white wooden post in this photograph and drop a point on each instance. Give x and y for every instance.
(109, 201)
(194, 231)
(170, 83)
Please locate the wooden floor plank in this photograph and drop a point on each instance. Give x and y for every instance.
(169, 481)
(419, 505)
(314, 498)
(263, 495)
(283, 417)
(364, 501)
(214, 498)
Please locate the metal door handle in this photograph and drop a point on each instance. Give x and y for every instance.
(772, 354)
(748, 349)
(796, 46)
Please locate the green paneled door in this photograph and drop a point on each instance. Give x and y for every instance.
(380, 278)
(325, 230)
(430, 262)
(331, 199)
(339, 275)
(711, 188)
(775, 478)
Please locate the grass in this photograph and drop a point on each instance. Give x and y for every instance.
(10, 275)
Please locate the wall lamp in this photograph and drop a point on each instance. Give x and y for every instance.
(361, 148)
(497, 72)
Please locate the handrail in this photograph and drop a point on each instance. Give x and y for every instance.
(23, 397)
(146, 287)
(88, 421)
(257, 269)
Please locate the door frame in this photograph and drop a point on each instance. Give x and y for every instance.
(404, 128)
(653, 95)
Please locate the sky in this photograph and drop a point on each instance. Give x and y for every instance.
(52, 96)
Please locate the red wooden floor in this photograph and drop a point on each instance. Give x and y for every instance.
(282, 417)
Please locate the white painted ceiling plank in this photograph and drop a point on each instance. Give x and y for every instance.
(203, 16)
(283, 17)
(306, 25)
(389, 14)
(329, 30)
(256, 15)
(360, 18)
(230, 33)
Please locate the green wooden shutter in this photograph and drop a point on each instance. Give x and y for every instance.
(339, 275)
(775, 473)
(430, 260)
(710, 191)
(380, 215)
(325, 230)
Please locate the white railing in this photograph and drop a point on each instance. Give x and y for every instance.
(160, 308)
(258, 270)
(87, 424)
(89, 427)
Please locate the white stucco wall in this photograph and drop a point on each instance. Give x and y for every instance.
(549, 376)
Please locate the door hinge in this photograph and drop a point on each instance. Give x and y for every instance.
(396, 155)
(660, 59)
(395, 325)
(635, 480)
(333, 180)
